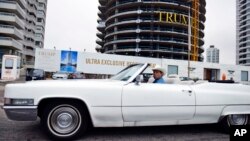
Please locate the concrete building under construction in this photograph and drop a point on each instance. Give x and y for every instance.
(152, 28)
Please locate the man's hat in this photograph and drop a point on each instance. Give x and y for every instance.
(159, 68)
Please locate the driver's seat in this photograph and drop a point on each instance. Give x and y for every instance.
(172, 79)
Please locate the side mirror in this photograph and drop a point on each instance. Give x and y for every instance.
(138, 79)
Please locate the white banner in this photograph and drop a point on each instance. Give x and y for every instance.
(93, 63)
(48, 60)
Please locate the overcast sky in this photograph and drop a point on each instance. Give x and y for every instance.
(72, 24)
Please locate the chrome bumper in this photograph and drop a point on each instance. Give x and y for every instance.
(21, 113)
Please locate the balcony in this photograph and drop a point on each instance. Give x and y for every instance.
(40, 14)
(12, 6)
(32, 18)
(43, 1)
(11, 43)
(29, 35)
(102, 8)
(35, 3)
(39, 40)
(30, 26)
(39, 31)
(39, 37)
(12, 19)
(100, 35)
(29, 52)
(42, 7)
(99, 48)
(146, 40)
(29, 44)
(29, 63)
(31, 9)
(100, 42)
(40, 24)
(101, 25)
(22, 3)
(11, 31)
(102, 2)
(156, 30)
(45, 4)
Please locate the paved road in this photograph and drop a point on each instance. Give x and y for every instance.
(31, 131)
(1, 94)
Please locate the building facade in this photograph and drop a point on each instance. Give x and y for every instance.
(151, 28)
(213, 55)
(243, 32)
(22, 28)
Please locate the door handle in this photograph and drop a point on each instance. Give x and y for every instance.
(187, 91)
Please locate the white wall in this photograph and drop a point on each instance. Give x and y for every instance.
(96, 63)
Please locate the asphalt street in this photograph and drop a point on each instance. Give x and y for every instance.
(1, 94)
(31, 131)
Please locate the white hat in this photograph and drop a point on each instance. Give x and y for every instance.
(159, 68)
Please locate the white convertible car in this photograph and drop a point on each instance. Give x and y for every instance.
(68, 108)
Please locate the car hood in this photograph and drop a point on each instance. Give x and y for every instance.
(87, 83)
(83, 82)
(89, 90)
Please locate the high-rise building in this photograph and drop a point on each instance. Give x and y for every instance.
(151, 28)
(243, 32)
(22, 28)
(213, 54)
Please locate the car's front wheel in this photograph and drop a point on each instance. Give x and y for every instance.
(237, 120)
(230, 120)
(64, 121)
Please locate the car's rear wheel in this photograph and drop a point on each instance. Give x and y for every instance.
(230, 120)
(64, 121)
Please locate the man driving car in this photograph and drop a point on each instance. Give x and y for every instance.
(158, 73)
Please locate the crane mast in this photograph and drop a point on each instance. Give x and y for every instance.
(195, 29)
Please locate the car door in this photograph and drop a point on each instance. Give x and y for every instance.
(157, 102)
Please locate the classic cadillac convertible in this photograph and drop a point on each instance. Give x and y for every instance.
(68, 107)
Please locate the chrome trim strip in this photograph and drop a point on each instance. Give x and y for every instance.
(19, 107)
(21, 113)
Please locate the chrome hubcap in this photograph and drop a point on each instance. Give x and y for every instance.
(64, 120)
(237, 119)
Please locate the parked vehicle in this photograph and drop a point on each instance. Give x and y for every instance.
(185, 78)
(60, 75)
(35, 74)
(68, 108)
(77, 75)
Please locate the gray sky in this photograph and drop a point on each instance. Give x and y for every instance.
(72, 24)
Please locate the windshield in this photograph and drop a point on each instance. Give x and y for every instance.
(35, 72)
(125, 74)
(9, 63)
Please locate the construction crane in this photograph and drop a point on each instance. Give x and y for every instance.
(195, 29)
